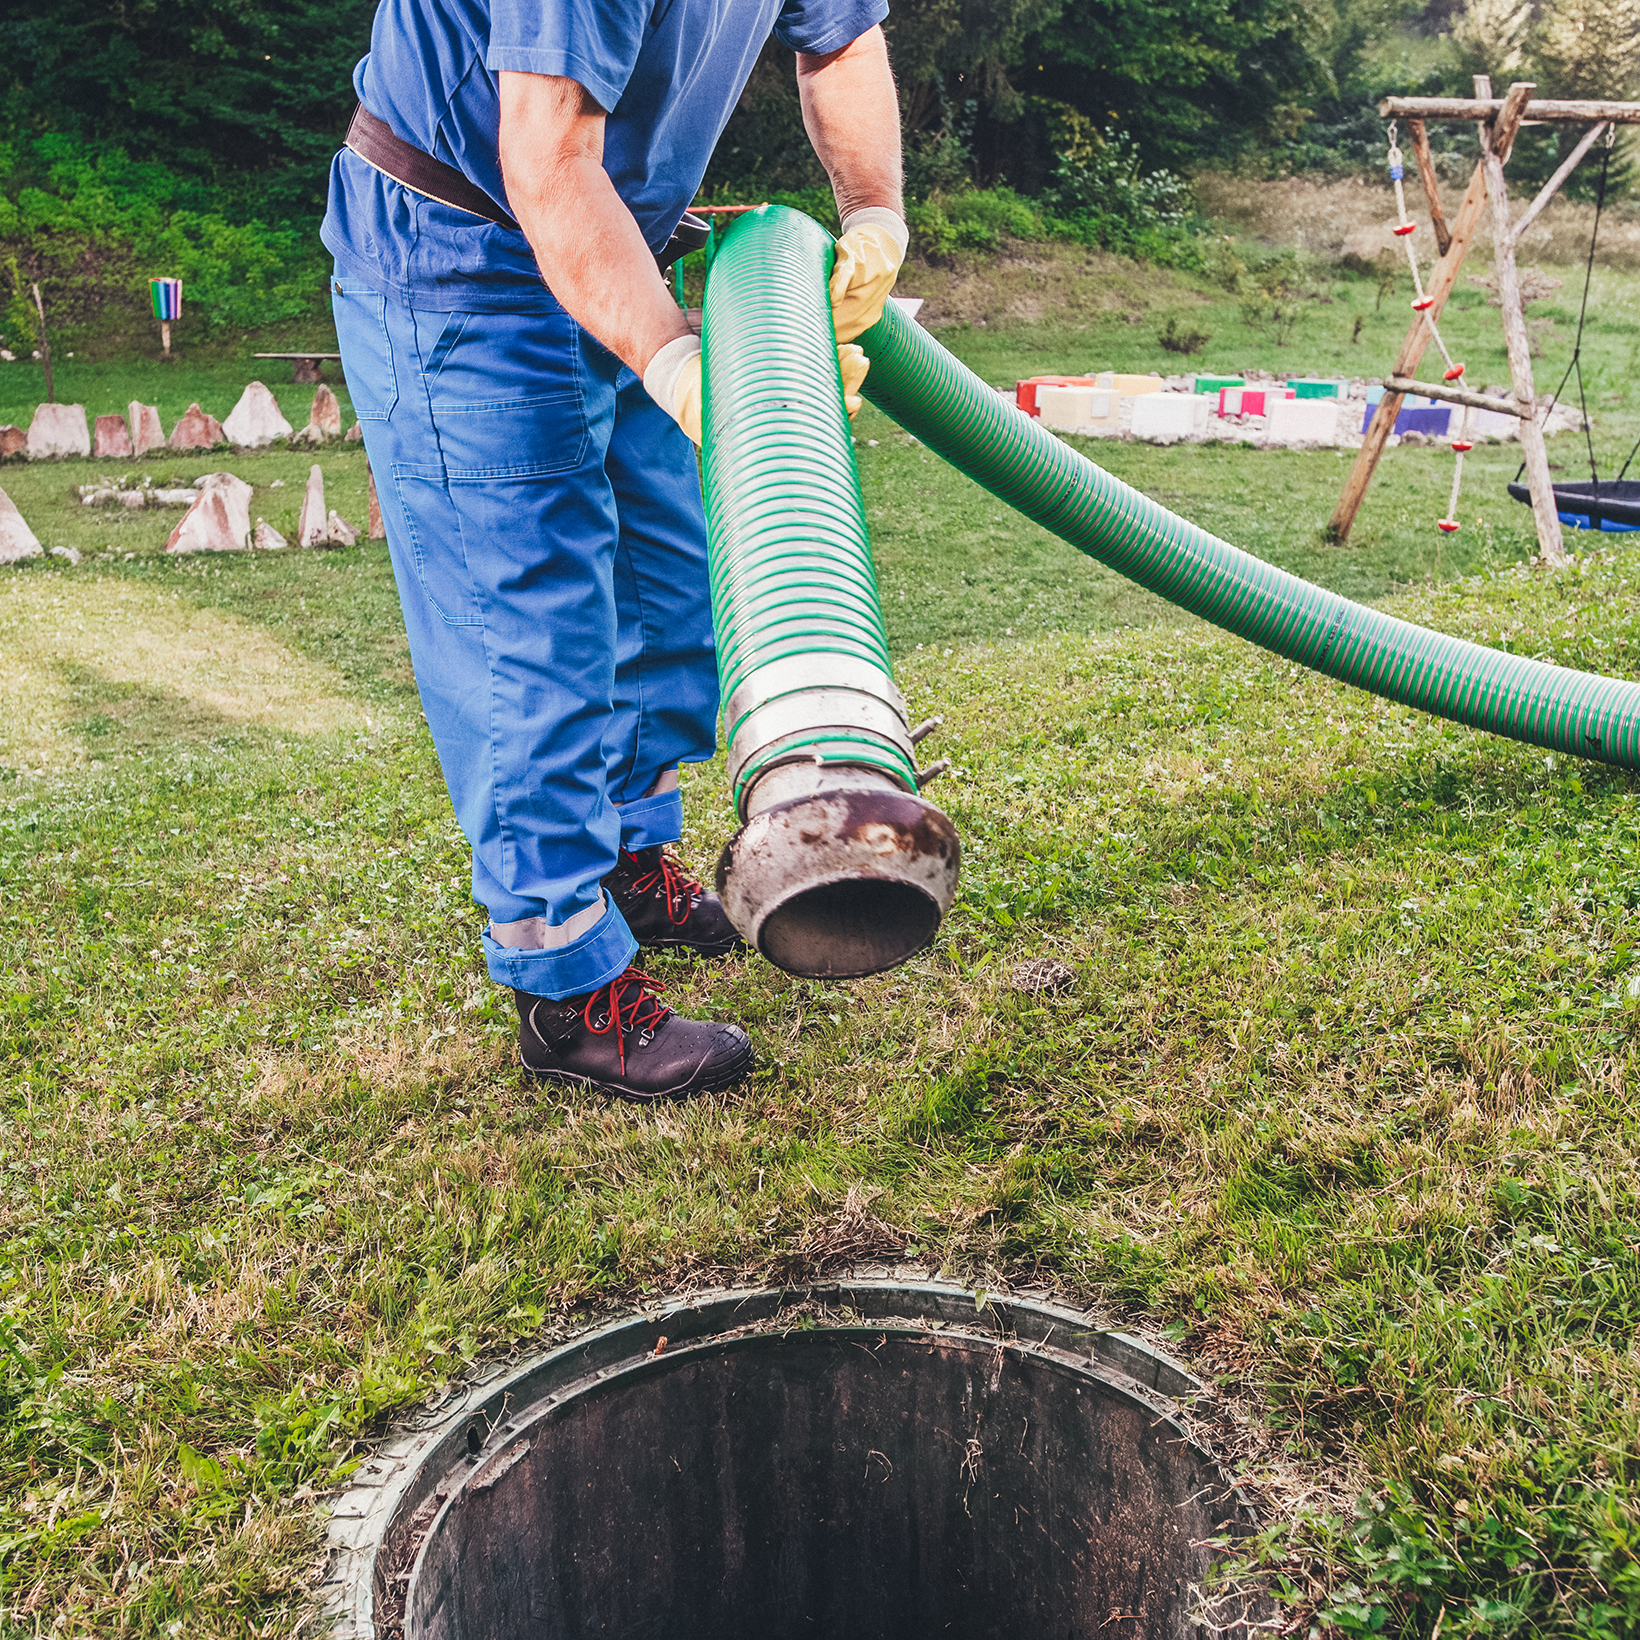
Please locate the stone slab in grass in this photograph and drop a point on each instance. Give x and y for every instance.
(311, 523)
(146, 432)
(58, 430)
(196, 431)
(324, 420)
(17, 540)
(256, 420)
(111, 437)
(13, 441)
(218, 521)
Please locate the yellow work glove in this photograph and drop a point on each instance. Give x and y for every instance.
(852, 364)
(869, 255)
(673, 381)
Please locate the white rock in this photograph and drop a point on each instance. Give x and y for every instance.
(58, 430)
(374, 528)
(66, 552)
(256, 419)
(13, 441)
(146, 432)
(267, 538)
(355, 433)
(218, 521)
(312, 525)
(339, 532)
(173, 498)
(17, 540)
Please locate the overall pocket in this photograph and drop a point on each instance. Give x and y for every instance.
(366, 348)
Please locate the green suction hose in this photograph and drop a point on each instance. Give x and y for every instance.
(945, 405)
(841, 868)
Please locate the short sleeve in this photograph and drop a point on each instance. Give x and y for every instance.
(815, 27)
(593, 42)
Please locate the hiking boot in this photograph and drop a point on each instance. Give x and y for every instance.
(666, 909)
(624, 1040)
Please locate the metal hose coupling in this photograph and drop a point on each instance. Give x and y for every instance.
(840, 867)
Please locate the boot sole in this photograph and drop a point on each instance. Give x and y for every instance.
(725, 1076)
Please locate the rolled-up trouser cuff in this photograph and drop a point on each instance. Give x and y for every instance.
(601, 954)
(647, 821)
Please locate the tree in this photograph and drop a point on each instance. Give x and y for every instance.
(250, 95)
(1190, 79)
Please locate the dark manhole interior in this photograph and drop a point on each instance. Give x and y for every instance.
(880, 1462)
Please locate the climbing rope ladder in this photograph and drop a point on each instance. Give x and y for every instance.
(1423, 303)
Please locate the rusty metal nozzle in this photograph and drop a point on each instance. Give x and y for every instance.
(838, 871)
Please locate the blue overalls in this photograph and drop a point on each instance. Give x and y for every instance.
(543, 515)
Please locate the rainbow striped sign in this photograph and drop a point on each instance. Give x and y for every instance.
(167, 295)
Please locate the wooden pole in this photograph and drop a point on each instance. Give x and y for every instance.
(1544, 112)
(1501, 139)
(1454, 395)
(1552, 186)
(1442, 278)
(45, 346)
(1432, 186)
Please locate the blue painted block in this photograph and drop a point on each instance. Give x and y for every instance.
(1416, 418)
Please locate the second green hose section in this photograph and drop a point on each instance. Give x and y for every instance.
(940, 401)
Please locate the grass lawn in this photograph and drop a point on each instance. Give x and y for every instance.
(1339, 1104)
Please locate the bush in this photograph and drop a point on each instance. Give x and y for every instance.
(92, 230)
(1098, 178)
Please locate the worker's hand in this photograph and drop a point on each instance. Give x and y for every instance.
(852, 364)
(673, 381)
(869, 255)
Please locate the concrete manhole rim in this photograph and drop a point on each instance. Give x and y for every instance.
(457, 1438)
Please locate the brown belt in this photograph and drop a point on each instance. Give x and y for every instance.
(382, 148)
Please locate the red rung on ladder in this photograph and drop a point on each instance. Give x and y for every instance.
(1448, 526)
(1404, 229)
(1463, 447)
(1423, 304)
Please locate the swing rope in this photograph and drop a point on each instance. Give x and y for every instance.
(1576, 361)
(1424, 303)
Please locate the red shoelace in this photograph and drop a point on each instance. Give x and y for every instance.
(680, 887)
(633, 1007)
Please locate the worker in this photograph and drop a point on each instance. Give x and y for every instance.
(530, 398)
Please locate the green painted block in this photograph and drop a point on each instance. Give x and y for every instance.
(1315, 390)
(1212, 384)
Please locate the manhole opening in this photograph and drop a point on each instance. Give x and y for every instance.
(880, 1461)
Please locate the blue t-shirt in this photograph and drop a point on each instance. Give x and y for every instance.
(668, 73)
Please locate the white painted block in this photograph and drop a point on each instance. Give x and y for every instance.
(1493, 424)
(1168, 417)
(1085, 410)
(1301, 421)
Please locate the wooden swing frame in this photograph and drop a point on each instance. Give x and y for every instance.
(1497, 120)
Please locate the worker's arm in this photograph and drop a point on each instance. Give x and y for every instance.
(853, 120)
(585, 240)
